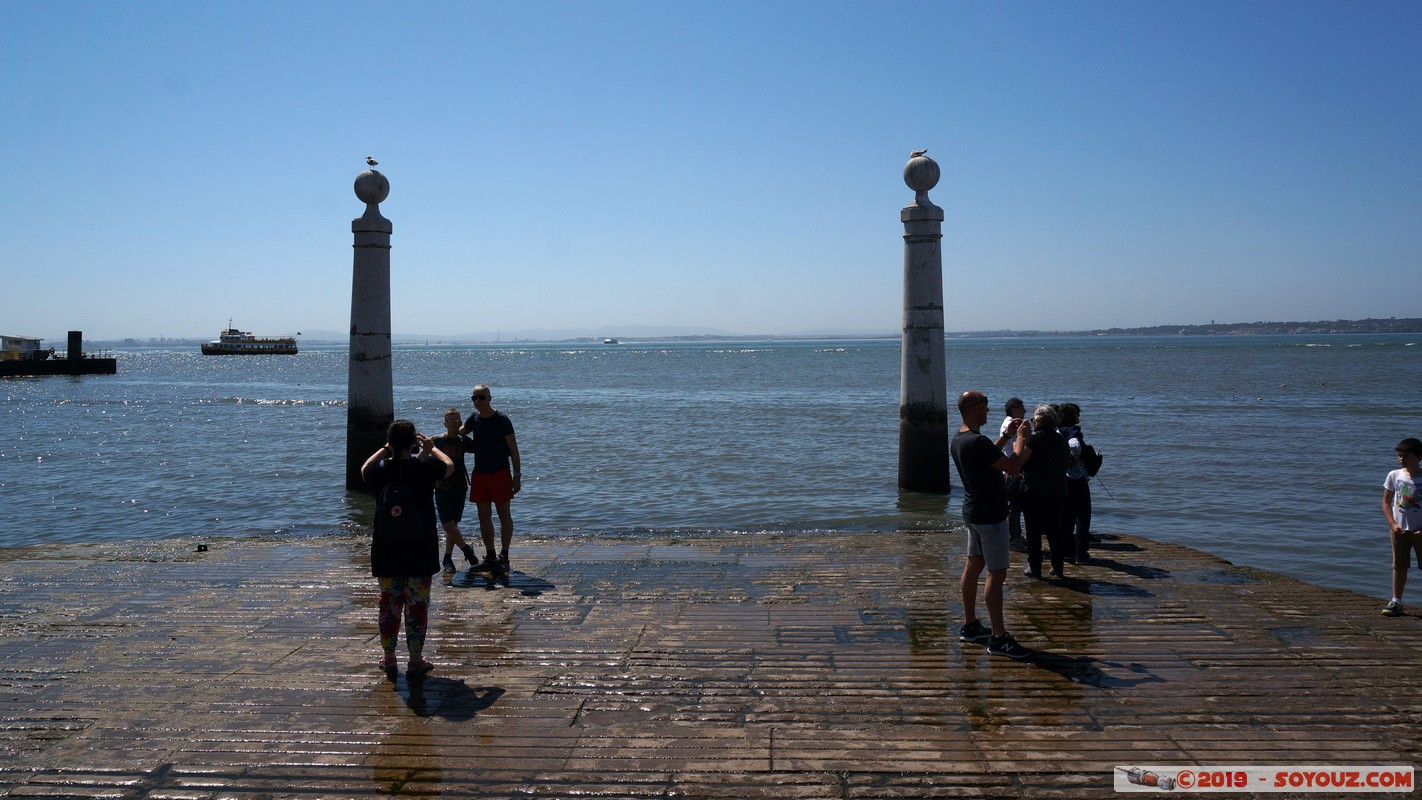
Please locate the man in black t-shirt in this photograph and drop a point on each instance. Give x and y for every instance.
(981, 462)
(497, 473)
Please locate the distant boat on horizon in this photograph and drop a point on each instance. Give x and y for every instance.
(610, 340)
(234, 342)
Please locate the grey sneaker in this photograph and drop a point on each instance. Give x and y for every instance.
(1392, 609)
(1005, 645)
(974, 632)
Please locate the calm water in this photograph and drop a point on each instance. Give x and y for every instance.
(1269, 451)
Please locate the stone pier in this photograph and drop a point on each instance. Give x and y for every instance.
(688, 666)
(923, 387)
(370, 386)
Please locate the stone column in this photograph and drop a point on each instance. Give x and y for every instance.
(370, 390)
(923, 386)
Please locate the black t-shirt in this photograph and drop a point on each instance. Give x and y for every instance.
(491, 448)
(408, 559)
(984, 489)
(455, 447)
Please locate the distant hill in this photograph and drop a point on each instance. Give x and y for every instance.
(1389, 325)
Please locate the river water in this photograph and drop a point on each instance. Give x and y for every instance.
(1267, 450)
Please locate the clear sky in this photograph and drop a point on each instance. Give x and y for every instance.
(731, 165)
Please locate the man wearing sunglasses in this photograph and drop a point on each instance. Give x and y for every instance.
(495, 479)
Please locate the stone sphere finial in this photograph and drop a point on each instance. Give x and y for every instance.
(921, 174)
(371, 187)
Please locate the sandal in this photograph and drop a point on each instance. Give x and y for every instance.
(418, 667)
(388, 664)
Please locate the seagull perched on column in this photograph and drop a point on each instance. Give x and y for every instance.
(917, 153)
(371, 160)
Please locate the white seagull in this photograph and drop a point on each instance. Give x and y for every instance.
(371, 160)
(917, 153)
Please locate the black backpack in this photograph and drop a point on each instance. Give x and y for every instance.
(397, 511)
(1091, 457)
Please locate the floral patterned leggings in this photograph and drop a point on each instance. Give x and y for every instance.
(410, 596)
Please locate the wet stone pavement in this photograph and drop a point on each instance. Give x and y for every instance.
(822, 666)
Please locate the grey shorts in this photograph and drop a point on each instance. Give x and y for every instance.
(991, 542)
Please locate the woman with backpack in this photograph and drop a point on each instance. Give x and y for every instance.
(404, 550)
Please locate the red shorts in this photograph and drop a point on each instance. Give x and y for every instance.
(491, 487)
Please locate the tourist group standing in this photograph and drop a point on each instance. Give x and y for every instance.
(1039, 467)
(419, 480)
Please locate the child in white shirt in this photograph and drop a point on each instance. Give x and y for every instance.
(1402, 506)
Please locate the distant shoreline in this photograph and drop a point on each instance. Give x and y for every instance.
(1340, 326)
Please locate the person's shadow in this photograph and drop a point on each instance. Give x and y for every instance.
(447, 698)
(525, 584)
(1093, 671)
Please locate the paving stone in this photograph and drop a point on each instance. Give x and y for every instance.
(706, 666)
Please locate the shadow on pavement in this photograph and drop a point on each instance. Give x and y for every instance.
(446, 698)
(527, 585)
(1095, 672)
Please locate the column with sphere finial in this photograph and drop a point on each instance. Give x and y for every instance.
(923, 387)
(370, 390)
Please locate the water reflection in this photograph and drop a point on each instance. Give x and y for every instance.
(407, 761)
(920, 507)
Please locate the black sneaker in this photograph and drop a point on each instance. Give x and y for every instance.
(503, 565)
(974, 632)
(1005, 645)
(469, 556)
(448, 564)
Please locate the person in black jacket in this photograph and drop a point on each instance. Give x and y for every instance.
(1076, 510)
(405, 567)
(1045, 457)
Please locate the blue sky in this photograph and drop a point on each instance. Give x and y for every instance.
(730, 165)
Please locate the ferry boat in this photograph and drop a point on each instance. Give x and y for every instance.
(234, 342)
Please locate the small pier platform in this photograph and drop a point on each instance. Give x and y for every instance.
(88, 365)
(696, 666)
(28, 361)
